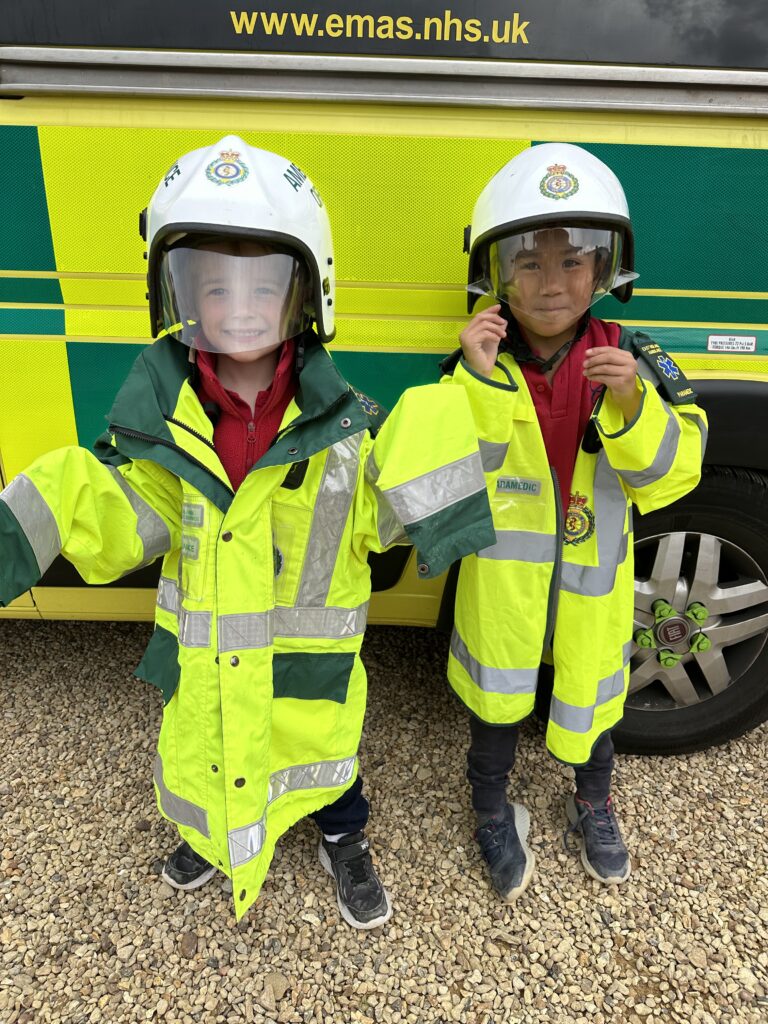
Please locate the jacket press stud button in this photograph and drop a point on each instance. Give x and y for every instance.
(214, 767)
(423, 568)
(239, 783)
(293, 451)
(346, 422)
(227, 535)
(242, 894)
(234, 661)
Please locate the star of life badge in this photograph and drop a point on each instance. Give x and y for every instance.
(558, 183)
(229, 169)
(368, 404)
(668, 367)
(579, 520)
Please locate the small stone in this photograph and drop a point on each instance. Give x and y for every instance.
(143, 825)
(188, 945)
(278, 983)
(698, 957)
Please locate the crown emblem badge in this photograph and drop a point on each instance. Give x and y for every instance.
(229, 169)
(558, 183)
(579, 520)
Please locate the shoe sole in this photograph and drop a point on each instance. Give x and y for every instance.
(523, 827)
(377, 922)
(573, 817)
(189, 886)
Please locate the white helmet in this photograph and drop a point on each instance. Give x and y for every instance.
(233, 191)
(552, 185)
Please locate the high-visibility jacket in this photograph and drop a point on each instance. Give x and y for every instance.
(263, 595)
(565, 582)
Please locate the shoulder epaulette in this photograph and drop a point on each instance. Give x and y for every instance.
(669, 378)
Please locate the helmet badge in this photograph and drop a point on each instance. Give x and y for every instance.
(229, 169)
(558, 183)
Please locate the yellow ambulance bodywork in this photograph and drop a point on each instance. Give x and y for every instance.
(399, 183)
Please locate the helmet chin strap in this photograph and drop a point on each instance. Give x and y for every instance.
(518, 347)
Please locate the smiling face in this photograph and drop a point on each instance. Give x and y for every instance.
(240, 299)
(550, 285)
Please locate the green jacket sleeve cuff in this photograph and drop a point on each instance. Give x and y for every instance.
(18, 566)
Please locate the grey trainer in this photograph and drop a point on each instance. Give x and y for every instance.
(510, 860)
(603, 852)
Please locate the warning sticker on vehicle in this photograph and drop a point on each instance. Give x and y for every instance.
(731, 343)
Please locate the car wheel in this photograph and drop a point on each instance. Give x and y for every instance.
(699, 668)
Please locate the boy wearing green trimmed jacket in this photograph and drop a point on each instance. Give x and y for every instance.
(238, 453)
(578, 420)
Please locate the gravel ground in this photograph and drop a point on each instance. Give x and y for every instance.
(89, 933)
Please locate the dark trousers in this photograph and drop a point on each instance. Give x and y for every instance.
(347, 814)
(491, 757)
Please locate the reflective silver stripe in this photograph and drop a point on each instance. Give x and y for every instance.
(320, 623)
(493, 680)
(177, 808)
(334, 499)
(168, 595)
(389, 527)
(310, 776)
(244, 632)
(577, 719)
(245, 843)
(35, 518)
(662, 461)
(194, 628)
(255, 630)
(432, 492)
(492, 454)
(153, 533)
(612, 543)
(702, 429)
(521, 546)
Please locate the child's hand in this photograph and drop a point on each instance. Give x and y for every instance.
(617, 370)
(480, 340)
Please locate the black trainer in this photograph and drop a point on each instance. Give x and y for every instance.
(186, 869)
(363, 900)
(503, 844)
(603, 853)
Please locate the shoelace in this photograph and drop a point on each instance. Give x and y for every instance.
(604, 821)
(357, 869)
(494, 837)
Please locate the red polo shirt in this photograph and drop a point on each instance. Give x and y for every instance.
(241, 434)
(564, 406)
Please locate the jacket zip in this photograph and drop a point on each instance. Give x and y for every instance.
(189, 430)
(114, 428)
(554, 586)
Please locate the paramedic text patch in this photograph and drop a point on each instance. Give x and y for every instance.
(518, 485)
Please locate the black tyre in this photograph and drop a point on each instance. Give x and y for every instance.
(710, 549)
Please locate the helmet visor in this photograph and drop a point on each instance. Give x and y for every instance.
(232, 297)
(553, 274)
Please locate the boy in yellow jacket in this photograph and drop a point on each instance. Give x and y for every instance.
(238, 453)
(578, 419)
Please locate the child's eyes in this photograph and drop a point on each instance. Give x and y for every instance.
(216, 293)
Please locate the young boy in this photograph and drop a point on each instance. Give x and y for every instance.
(578, 419)
(238, 452)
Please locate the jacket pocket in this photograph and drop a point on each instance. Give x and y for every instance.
(312, 676)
